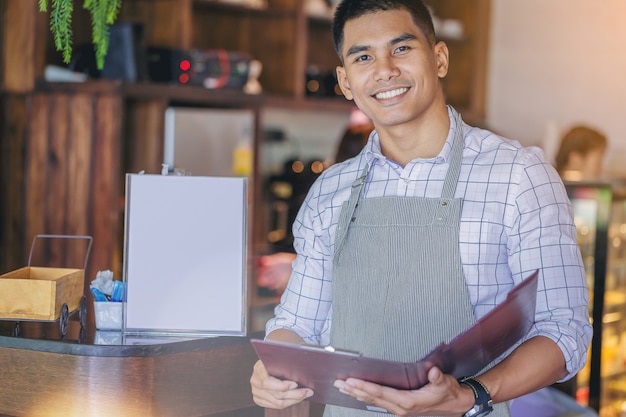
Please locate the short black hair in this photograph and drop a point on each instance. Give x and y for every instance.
(351, 9)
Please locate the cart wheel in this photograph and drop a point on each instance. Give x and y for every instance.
(64, 319)
(82, 311)
(17, 330)
(82, 336)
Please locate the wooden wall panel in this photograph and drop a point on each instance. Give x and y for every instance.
(14, 119)
(35, 166)
(276, 48)
(145, 132)
(3, 17)
(57, 194)
(166, 22)
(79, 170)
(281, 73)
(17, 73)
(105, 191)
(221, 29)
(320, 51)
(43, 45)
(178, 15)
(71, 186)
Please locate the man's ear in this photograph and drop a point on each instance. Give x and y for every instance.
(442, 58)
(342, 80)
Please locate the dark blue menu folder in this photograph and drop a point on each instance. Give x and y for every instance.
(317, 367)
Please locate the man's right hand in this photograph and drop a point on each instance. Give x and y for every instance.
(270, 392)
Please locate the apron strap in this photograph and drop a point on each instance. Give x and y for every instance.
(353, 202)
(452, 177)
(449, 186)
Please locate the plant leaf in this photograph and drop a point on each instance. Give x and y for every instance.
(113, 8)
(103, 13)
(60, 26)
(99, 29)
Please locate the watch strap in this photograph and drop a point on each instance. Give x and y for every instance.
(483, 404)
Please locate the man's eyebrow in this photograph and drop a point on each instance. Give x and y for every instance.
(402, 38)
(356, 49)
(398, 39)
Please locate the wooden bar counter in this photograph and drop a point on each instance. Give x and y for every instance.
(91, 373)
(43, 375)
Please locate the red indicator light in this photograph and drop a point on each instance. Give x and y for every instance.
(183, 78)
(185, 65)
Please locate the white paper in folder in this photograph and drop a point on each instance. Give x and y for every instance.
(185, 254)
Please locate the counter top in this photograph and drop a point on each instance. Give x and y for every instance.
(104, 373)
(45, 375)
(45, 337)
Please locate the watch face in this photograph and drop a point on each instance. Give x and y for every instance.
(485, 412)
(479, 410)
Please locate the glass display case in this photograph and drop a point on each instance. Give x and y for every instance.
(600, 217)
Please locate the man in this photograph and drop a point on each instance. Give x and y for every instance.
(424, 232)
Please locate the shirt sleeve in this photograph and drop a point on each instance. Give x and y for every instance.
(305, 306)
(543, 236)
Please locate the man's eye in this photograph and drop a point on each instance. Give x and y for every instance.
(361, 58)
(402, 48)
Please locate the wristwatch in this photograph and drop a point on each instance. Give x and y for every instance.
(483, 404)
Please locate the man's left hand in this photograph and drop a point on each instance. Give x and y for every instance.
(442, 396)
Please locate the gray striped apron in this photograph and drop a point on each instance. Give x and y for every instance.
(398, 284)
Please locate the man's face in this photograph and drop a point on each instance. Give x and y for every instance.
(390, 70)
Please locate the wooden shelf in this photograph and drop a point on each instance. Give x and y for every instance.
(338, 104)
(174, 93)
(243, 9)
(191, 94)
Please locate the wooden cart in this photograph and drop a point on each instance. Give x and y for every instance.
(44, 294)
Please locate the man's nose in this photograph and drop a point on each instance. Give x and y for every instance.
(386, 68)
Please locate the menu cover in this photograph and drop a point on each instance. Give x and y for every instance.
(317, 367)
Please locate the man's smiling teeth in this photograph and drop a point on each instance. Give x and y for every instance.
(392, 93)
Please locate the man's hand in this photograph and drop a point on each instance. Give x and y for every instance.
(270, 392)
(442, 396)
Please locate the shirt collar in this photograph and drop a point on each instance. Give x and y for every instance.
(373, 152)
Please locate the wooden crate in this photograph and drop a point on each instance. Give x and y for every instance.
(38, 293)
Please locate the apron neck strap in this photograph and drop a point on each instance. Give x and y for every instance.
(452, 176)
(449, 186)
(456, 154)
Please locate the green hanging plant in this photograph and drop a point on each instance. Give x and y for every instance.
(103, 14)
